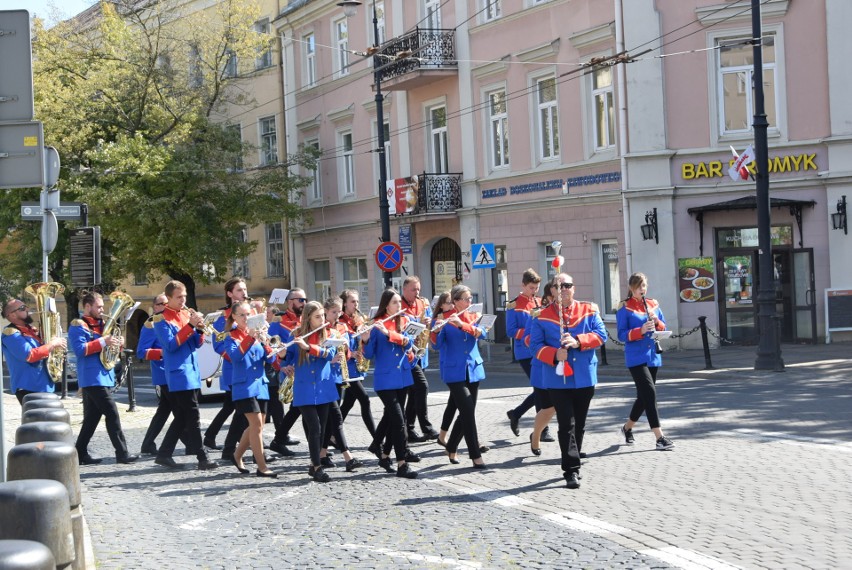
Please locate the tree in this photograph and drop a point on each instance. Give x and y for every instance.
(136, 102)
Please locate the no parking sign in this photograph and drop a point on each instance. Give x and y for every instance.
(389, 256)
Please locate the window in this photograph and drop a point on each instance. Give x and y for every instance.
(491, 10)
(604, 110)
(438, 140)
(274, 250)
(322, 280)
(310, 75)
(264, 56)
(268, 142)
(341, 40)
(240, 265)
(140, 279)
(377, 156)
(548, 119)
(610, 278)
(347, 169)
(735, 63)
(380, 17)
(355, 275)
(316, 186)
(432, 14)
(230, 68)
(549, 256)
(235, 131)
(498, 121)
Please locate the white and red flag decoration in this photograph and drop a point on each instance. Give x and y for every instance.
(739, 170)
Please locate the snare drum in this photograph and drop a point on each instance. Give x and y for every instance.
(209, 361)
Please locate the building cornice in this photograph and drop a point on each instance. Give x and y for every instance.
(491, 68)
(592, 36)
(539, 53)
(309, 124)
(341, 113)
(739, 11)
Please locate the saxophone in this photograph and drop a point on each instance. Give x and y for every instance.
(120, 302)
(49, 326)
(285, 391)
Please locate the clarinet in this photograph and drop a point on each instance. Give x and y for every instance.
(657, 346)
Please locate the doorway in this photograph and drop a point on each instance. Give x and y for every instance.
(446, 265)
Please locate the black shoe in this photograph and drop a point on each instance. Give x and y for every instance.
(126, 458)
(270, 474)
(290, 441)
(385, 463)
(211, 443)
(329, 453)
(430, 434)
(281, 449)
(406, 471)
(545, 435)
(582, 456)
(411, 457)
(453, 460)
(484, 449)
(375, 449)
(415, 437)
(89, 460)
(327, 462)
(268, 458)
(627, 434)
(572, 480)
(206, 464)
(353, 464)
(318, 474)
(242, 470)
(167, 462)
(513, 423)
(189, 451)
(227, 456)
(479, 466)
(148, 450)
(441, 443)
(535, 451)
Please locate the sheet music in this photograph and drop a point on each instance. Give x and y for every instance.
(475, 308)
(256, 322)
(334, 342)
(487, 321)
(278, 296)
(373, 311)
(211, 318)
(414, 328)
(656, 335)
(130, 311)
(434, 303)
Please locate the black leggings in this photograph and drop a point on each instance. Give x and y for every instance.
(314, 420)
(464, 396)
(217, 423)
(392, 423)
(645, 378)
(356, 392)
(334, 426)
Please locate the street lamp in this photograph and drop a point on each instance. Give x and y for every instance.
(350, 8)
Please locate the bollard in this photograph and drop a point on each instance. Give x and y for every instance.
(603, 361)
(46, 415)
(47, 460)
(44, 431)
(41, 403)
(708, 365)
(25, 555)
(40, 396)
(39, 510)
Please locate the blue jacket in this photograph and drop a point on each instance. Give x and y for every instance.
(180, 342)
(420, 309)
(220, 347)
(84, 339)
(247, 358)
(391, 363)
(312, 384)
(518, 321)
(459, 357)
(638, 348)
(149, 349)
(536, 380)
(354, 346)
(584, 323)
(27, 360)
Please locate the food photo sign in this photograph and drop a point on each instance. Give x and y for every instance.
(697, 279)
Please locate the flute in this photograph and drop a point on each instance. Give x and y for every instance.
(368, 328)
(290, 343)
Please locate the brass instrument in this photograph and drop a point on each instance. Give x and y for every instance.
(344, 368)
(206, 328)
(48, 323)
(262, 329)
(361, 362)
(120, 302)
(285, 391)
(421, 343)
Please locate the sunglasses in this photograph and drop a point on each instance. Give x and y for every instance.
(566, 285)
(21, 308)
(301, 300)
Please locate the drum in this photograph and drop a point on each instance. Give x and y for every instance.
(209, 362)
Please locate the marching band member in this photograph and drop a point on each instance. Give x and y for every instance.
(543, 404)
(390, 351)
(86, 340)
(461, 370)
(417, 408)
(249, 385)
(275, 411)
(313, 386)
(177, 332)
(352, 319)
(569, 331)
(444, 309)
(25, 351)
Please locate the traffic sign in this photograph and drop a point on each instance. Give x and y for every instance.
(389, 256)
(16, 66)
(32, 211)
(483, 255)
(21, 154)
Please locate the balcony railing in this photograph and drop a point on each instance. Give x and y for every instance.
(428, 49)
(438, 193)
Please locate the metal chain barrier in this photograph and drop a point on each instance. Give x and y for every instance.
(722, 339)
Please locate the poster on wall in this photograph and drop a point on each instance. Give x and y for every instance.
(402, 195)
(445, 276)
(697, 279)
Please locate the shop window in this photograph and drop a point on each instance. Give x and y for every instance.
(322, 280)
(609, 294)
(355, 275)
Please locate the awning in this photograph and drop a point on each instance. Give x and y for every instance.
(749, 203)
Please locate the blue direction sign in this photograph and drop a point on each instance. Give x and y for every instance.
(482, 255)
(389, 256)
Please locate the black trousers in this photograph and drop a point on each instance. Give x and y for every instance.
(464, 395)
(417, 407)
(529, 401)
(392, 426)
(187, 419)
(356, 392)
(287, 423)
(572, 407)
(239, 423)
(220, 419)
(334, 425)
(161, 416)
(20, 393)
(97, 403)
(645, 378)
(449, 413)
(314, 420)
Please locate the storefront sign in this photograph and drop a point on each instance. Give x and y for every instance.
(777, 164)
(697, 279)
(747, 237)
(557, 183)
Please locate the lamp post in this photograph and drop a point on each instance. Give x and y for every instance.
(350, 8)
(769, 347)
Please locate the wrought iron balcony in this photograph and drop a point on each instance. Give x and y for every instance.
(415, 58)
(438, 193)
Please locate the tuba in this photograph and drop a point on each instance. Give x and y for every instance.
(120, 302)
(49, 326)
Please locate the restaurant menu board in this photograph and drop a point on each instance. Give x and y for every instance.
(697, 279)
(738, 280)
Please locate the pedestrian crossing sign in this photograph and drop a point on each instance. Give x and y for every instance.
(483, 255)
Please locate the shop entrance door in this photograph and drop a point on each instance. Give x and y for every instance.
(446, 265)
(804, 296)
(738, 270)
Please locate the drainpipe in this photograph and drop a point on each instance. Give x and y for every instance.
(621, 76)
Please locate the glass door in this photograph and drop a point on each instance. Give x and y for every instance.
(804, 296)
(737, 301)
